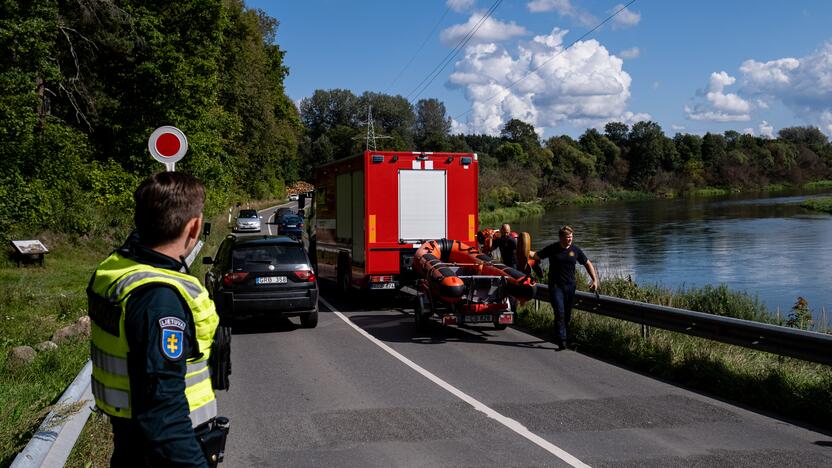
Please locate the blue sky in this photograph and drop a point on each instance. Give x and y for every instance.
(753, 66)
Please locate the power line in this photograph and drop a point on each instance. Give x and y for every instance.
(511, 85)
(430, 34)
(450, 56)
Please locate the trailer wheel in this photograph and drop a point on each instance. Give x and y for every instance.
(419, 311)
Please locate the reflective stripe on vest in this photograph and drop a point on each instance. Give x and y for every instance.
(204, 413)
(115, 279)
(109, 363)
(113, 397)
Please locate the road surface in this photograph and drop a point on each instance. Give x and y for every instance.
(380, 393)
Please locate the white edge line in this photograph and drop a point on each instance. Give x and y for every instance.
(512, 424)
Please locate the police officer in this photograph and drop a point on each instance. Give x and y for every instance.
(152, 331)
(563, 256)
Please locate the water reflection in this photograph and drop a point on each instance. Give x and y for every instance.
(769, 247)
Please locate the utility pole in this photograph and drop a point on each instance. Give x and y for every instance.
(371, 132)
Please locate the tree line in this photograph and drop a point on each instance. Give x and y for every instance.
(84, 82)
(518, 165)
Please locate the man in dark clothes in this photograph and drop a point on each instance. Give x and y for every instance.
(563, 256)
(507, 245)
(155, 423)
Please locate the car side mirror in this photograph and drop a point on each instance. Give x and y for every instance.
(207, 261)
(206, 229)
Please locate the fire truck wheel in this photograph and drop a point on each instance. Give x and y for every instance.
(500, 326)
(343, 282)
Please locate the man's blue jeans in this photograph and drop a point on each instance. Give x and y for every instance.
(563, 298)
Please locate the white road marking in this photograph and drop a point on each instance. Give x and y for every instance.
(504, 420)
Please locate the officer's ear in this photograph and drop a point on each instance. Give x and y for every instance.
(194, 227)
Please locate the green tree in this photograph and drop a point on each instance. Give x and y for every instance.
(432, 125)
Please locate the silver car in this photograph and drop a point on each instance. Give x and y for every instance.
(248, 221)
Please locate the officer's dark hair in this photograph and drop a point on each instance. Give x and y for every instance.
(165, 202)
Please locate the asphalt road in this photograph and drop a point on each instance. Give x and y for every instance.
(331, 396)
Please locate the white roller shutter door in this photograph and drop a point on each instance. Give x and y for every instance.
(422, 205)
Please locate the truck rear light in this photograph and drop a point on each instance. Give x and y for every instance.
(305, 275)
(449, 320)
(381, 278)
(507, 319)
(234, 277)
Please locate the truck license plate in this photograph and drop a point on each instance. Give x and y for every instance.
(383, 286)
(270, 280)
(478, 318)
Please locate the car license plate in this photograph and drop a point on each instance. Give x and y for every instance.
(270, 280)
(291, 225)
(478, 318)
(382, 285)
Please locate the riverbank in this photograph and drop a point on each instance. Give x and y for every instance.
(788, 387)
(823, 205)
(511, 214)
(568, 198)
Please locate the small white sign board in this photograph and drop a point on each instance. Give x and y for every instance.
(30, 247)
(168, 145)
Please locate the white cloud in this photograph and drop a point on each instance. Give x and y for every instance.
(748, 131)
(460, 5)
(677, 128)
(491, 30)
(583, 85)
(631, 53)
(765, 129)
(656, 85)
(803, 84)
(626, 18)
(720, 106)
(563, 8)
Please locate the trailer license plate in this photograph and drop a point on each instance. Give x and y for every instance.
(478, 318)
(270, 280)
(382, 285)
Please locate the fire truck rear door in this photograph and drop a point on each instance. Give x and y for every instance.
(422, 205)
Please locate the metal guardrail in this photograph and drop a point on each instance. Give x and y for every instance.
(801, 344)
(57, 434)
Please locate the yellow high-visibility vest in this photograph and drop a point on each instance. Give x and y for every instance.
(111, 285)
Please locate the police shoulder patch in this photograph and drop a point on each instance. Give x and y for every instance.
(172, 337)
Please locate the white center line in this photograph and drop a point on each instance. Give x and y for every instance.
(479, 406)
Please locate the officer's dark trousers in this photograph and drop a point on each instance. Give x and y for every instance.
(563, 298)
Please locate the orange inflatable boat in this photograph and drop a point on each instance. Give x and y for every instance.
(444, 263)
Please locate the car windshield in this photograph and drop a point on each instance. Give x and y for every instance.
(259, 257)
(292, 219)
(247, 214)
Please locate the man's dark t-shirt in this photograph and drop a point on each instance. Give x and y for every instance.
(508, 249)
(562, 262)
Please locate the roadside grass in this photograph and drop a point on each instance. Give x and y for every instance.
(818, 204)
(95, 444)
(510, 214)
(34, 302)
(819, 184)
(788, 387)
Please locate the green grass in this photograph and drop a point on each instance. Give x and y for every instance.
(510, 214)
(818, 204)
(34, 302)
(819, 184)
(789, 387)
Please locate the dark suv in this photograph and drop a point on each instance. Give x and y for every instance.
(263, 276)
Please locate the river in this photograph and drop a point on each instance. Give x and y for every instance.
(767, 246)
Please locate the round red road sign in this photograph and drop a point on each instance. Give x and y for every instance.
(167, 145)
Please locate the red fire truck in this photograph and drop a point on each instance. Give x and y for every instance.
(371, 212)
